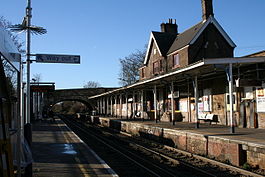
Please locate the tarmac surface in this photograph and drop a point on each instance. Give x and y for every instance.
(58, 152)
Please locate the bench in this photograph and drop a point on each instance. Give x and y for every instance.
(208, 117)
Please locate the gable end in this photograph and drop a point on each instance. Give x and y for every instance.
(213, 21)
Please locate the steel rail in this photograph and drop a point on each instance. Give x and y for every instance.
(173, 160)
(214, 162)
(108, 144)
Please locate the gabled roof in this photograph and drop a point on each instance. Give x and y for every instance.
(162, 40)
(192, 34)
(185, 38)
(169, 43)
(260, 53)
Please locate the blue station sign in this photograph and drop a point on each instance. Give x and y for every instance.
(54, 58)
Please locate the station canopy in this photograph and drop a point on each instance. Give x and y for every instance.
(8, 49)
(205, 67)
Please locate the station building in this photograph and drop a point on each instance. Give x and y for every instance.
(193, 76)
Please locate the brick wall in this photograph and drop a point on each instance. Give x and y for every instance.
(154, 56)
(183, 59)
(224, 150)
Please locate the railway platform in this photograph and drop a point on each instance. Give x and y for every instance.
(245, 146)
(58, 152)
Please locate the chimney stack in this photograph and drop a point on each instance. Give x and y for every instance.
(169, 27)
(207, 9)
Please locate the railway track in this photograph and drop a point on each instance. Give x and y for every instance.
(129, 156)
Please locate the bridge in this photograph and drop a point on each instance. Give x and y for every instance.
(78, 94)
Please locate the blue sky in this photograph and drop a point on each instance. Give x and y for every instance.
(102, 31)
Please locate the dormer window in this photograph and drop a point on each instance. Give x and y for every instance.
(176, 60)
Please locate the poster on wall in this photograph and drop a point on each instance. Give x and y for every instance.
(207, 100)
(260, 98)
(183, 105)
(200, 107)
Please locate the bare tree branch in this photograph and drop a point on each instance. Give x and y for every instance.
(92, 84)
(17, 41)
(129, 72)
(37, 77)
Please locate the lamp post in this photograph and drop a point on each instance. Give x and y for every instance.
(27, 128)
(26, 26)
(28, 17)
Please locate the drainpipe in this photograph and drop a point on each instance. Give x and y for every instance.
(102, 109)
(142, 104)
(232, 130)
(115, 102)
(188, 102)
(121, 105)
(126, 97)
(104, 106)
(107, 106)
(155, 103)
(172, 102)
(98, 106)
(196, 95)
(111, 106)
(133, 106)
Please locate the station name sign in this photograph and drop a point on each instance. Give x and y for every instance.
(54, 58)
(42, 88)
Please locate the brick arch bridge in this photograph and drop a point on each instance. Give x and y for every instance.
(81, 95)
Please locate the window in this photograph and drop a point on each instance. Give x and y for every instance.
(176, 60)
(154, 51)
(156, 67)
(160, 66)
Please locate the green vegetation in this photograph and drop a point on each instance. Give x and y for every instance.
(69, 107)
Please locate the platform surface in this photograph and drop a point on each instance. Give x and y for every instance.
(253, 136)
(58, 152)
(247, 135)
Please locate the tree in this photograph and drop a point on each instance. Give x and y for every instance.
(129, 71)
(37, 77)
(10, 72)
(69, 107)
(92, 84)
(17, 41)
